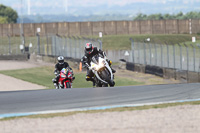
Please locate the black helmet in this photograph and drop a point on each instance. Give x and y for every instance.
(89, 48)
(61, 60)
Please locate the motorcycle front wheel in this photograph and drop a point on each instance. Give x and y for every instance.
(106, 77)
(68, 85)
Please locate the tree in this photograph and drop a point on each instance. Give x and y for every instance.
(8, 14)
(140, 16)
(180, 15)
(3, 20)
(155, 17)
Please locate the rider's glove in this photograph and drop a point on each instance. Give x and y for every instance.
(55, 73)
(90, 68)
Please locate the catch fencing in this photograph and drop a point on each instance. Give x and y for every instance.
(71, 47)
(168, 55)
(49, 45)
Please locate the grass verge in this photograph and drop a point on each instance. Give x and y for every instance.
(44, 75)
(122, 42)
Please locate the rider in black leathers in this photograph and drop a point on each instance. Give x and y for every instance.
(58, 67)
(90, 51)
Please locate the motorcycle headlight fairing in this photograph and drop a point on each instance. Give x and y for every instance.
(63, 75)
(99, 66)
(102, 64)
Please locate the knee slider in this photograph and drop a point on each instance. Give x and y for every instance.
(87, 78)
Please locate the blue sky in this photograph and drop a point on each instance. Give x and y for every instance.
(98, 6)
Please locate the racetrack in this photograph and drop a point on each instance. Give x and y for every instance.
(177, 119)
(45, 100)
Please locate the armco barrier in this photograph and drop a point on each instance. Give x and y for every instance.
(193, 77)
(15, 57)
(130, 66)
(150, 69)
(159, 72)
(139, 68)
(168, 73)
(154, 70)
(181, 75)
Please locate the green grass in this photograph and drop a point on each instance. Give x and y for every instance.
(39, 75)
(112, 42)
(122, 42)
(44, 75)
(17, 40)
(189, 43)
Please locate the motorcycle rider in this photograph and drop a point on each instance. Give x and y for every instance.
(58, 67)
(90, 51)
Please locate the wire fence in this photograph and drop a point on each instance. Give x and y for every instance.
(168, 55)
(72, 47)
(51, 45)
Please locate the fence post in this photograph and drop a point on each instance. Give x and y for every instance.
(75, 46)
(180, 56)
(55, 45)
(155, 54)
(194, 55)
(132, 49)
(70, 46)
(100, 44)
(38, 41)
(79, 43)
(144, 52)
(199, 65)
(167, 55)
(150, 52)
(174, 56)
(139, 53)
(47, 44)
(23, 42)
(187, 60)
(9, 50)
(174, 61)
(67, 45)
(161, 46)
(64, 45)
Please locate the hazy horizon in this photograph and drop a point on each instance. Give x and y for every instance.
(92, 7)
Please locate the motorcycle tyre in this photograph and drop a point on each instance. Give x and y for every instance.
(68, 85)
(107, 79)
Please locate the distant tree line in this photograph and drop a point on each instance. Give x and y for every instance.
(180, 15)
(7, 15)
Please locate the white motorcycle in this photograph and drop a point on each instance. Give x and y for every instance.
(103, 75)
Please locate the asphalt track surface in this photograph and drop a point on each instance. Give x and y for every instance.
(63, 99)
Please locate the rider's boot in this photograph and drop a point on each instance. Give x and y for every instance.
(88, 78)
(93, 84)
(55, 83)
(113, 70)
(56, 86)
(110, 63)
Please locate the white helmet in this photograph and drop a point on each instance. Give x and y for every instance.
(61, 60)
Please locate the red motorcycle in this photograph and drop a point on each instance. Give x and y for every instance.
(65, 79)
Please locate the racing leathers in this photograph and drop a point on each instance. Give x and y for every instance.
(58, 68)
(86, 59)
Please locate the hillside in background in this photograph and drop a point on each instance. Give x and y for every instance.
(87, 10)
